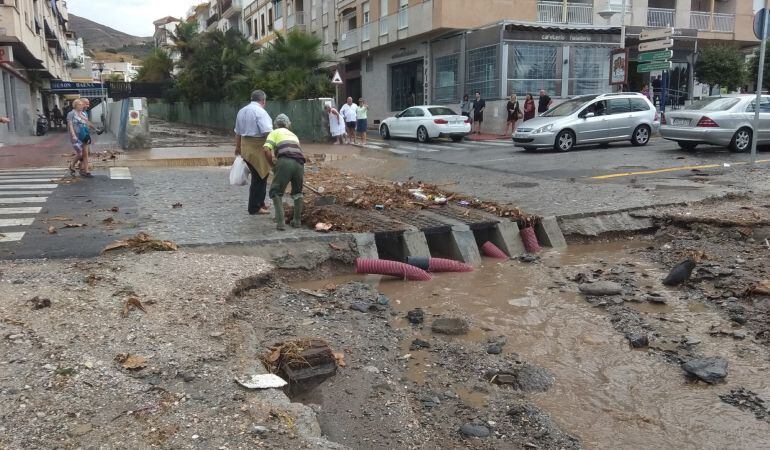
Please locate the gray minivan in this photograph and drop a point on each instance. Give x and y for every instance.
(591, 119)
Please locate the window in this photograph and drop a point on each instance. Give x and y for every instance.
(569, 107)
(313, 10)
(413, 112)
(764, 105)
(383, 8)
(403, 14)
(532, 67)
(445, 85)
(442, 112)
(619, 105)
(270, 20)
(365, 9)
(278, 9)
(638, 104)
(262, 30)
(365, 18)
(589, 69)
(406, 88)
(597, 108)
(482, 71)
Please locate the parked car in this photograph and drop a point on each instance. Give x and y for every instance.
(425, 123)
(591, 119)
(719, 120)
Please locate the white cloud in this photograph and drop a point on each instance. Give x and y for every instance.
(133, 16)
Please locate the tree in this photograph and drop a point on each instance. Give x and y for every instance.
(183, 38)
(753, 67)
(721, 64)
(157, 67)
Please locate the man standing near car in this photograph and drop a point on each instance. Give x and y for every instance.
(478, 111)
(252, 125)
(348, 112)
(544, 102)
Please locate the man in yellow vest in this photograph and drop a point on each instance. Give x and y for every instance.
(282, 146)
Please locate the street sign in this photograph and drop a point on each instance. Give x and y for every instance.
(661, 55)
(656, 45)
(759, 21)
(337, 79)
(655, 65)
(658, 33)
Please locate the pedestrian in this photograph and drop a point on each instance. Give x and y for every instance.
(348, 112)
(466, 106)
(514, 112)
(544, 102)
(57, 117)
(336, 124)
(529, 107)
(80, 135)
(646, 91)
(252, 125)
(283, 149)
(478, 111)
(362, 123)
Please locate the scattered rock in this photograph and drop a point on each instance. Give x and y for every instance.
(601, 288)
(472, 430)
(747, 400)
(40, 303)
(637, 339)
(711, 370)
(680, 273)
(524, 377)
(259, 430)
(529, 258)
(450, 325)
(419, 344)
(494, 349)
(81, 430)
(416, 316)
(359, 306)
(430, 401)
(654, 297)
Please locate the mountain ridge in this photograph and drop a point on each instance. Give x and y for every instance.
(101, 37)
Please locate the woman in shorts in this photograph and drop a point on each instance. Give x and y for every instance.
(361, 120)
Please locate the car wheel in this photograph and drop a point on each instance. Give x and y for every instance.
(457, 138)
(422, 135)
(685, 145)
(385, 132)
(741, 141)
(565, 141)
(641, 135)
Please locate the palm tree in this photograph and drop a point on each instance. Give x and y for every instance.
(157, 67)
(183, 38)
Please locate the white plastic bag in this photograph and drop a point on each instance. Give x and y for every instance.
(239, 173)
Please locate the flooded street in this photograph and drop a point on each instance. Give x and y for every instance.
(606, 394)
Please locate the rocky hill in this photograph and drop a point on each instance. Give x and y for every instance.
(98, 37)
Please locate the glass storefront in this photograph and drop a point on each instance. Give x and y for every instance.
(532, 67)
(483, 74)
(589, 70)
(447, 79)
(406, 85)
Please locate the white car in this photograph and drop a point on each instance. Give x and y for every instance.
(426, 123)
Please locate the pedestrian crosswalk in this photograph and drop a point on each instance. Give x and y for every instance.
(407, 147)
(22, 192)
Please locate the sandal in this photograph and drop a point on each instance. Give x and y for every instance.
(86, 174)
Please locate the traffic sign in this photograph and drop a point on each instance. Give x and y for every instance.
(656, 45)
(759, 23)
(660, 55)
(655, 65)
(658, 33)
(337, 79)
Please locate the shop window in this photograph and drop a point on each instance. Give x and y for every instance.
(532, 67)
(482, 71)
(445, 86)
(406, 85)
(589, 70)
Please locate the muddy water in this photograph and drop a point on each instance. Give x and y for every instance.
(606, 394)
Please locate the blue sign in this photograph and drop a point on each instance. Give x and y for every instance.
(759, 24)
(59, 85)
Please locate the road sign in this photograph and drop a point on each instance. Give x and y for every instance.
(656, 45)
(658, 33)
(661, 55)
(337, 79)
(655, 65)
(759, 21)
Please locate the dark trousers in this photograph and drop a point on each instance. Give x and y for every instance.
(257, 191)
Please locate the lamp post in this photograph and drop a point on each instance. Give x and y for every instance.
(609, 13)
(335, 47)
(100, 67)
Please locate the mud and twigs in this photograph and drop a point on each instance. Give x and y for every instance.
(142, 243)
(747, 400)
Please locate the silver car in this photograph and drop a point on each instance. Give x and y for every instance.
(721, 120)
(591, 119)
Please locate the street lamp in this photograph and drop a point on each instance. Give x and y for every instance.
(100, 67)
(335, 45)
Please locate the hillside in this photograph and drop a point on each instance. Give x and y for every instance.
(97, 38)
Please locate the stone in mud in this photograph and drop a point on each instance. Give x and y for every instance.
(419, 344)
(680, 273)
(654, 297)
(638, 340)
(524, 377)
(450, 325)
(494, 349)
(472, 430)
(711, 370)
(416, 316)
(359, 306)
(601, 288)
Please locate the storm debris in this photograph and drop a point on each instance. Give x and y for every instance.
(131, 362)
(132, 303)
(142, 243)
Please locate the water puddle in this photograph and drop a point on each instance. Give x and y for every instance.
(606, 394)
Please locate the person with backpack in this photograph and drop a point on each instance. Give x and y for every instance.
(79, 128)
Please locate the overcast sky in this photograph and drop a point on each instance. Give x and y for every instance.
(133, 17)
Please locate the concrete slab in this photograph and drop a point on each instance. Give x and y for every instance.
(366, 245)
(462, 242)
(549, 234)
(415, 243)
(509, 239)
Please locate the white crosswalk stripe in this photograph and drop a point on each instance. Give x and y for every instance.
(409, 147)
(20, 187)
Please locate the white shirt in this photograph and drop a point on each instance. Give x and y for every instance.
(349, 112)
(253, 120)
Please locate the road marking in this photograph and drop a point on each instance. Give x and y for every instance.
(419, 149)
(21, 210)
(33, 193)
(672, 169)
(30, 169)
(399, 152)
(16, 222)
(11, 237)
(120, 173)
(6, 187)
(494, 160)
(12, 180)
(8, 175)
(12, 200)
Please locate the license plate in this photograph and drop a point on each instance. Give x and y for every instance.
(518, 135)
(681, 122)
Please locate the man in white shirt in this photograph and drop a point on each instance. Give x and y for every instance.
(252, 125)
(348, 112)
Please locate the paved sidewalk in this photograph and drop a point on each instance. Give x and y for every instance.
(51, 150)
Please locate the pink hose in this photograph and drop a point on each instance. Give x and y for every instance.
(491, 250)
(530, 240)
(447, 265)
(392, 268)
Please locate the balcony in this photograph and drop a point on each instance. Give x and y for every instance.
(660, 17)
(295, 20)
(212, 20)
(575, 13)
(383, 26)
(349, 40)
(365, 32)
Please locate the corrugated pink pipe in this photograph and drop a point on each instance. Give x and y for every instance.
(438, 264)
(529, 238)
(392, 268)
(491, 250)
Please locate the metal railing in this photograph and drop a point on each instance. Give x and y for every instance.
(349, 39)
(383, 26)
(719, 22)
(300, 18)
(724, 23)
(576, 13)
(660, 17)
(365, 32)
(403, 18)
(700, 21)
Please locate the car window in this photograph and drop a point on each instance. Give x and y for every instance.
(619, 105)
(764, 105)
(441, 111)
(598, 108)
(406, 113)
(568, 107)
(639, 104)
(414, 112)
(714, 104)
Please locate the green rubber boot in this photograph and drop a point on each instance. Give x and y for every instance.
(280, 220)
(299, 204)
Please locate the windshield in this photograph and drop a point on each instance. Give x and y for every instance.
(714, 104)
(568, 107)
(441, 112)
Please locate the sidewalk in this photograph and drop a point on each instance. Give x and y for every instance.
(51, 150)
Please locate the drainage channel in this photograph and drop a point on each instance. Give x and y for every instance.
(605, 393)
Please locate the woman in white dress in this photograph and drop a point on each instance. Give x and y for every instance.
(336, 125)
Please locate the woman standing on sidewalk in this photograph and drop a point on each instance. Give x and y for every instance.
(514, 112)
(529, 107)
(362, 123)
(465, 106)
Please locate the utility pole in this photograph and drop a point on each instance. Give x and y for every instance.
(760, 76)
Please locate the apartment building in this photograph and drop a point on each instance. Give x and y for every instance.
(33, 40)
(262, 19)
(200, 15)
